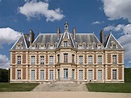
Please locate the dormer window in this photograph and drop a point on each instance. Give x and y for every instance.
(65, 44)
(80, 47)
(19, 46)
(99, 47)
(90, 46)
(51, 47)
(114, 46)
(33, 47)
(41, 47)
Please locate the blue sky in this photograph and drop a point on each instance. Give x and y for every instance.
(19, 16)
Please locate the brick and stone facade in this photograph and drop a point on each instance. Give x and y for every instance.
(76, 57)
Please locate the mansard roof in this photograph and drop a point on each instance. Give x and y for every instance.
(112, 40)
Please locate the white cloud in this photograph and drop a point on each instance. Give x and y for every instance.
(117, 9)
(126, 29)
(34, 9)
(96, 22)
(8, 36)
(129, 61)
(4, 62)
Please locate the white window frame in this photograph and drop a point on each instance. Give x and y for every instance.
(51, 60)
(114, 59)
(80, 74)
(42, 74)
(33, 75)
(18, 59)
(99, 74)
(90, 59)
(33, 60)
(65, 43)
(99, 59)
(51, 74)
(80, 59)
(90, 75)
(114, 74)
(65, 57)
(19, 74)
(41, 60)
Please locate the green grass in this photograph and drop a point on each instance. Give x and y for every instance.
(110, 87)
(16, 87)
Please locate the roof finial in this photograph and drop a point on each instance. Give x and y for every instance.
(66, 25)
(110, 31)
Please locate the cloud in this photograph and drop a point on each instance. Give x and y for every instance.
(4, 62)
(129, 61)
(125, 29)
(96, 22)
(35, 9)
(8, 36)
(117, 9)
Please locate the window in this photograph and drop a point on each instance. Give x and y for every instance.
(90, 46)
(80, 59)
(42, 74)
(73, 58)
(114, 74)
(80, 74)
(58, 58)
(58, 74)
(32, 59)
(41, 47)
(65, 57)
(90, 74)
(65, 43)
(99, 59)
(65, 73)
(90, 59)
(99, 47)
(80, 47)
(18, 74)
(41, 59)
(51, 75)
(114, 59)
(18, 59)
(32, 74)
(51, 60)
(33, 47)
(51, 47)
(73, 73)
(18, 47)
(114, 46)
(99, 74)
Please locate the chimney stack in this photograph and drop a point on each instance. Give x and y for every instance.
(31, 36)
(58, 32)
(102, 37)
(74, 32)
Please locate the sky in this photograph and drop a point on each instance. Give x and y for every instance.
(43, 16)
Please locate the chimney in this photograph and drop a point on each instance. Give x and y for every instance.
(26, 37)
(58, 32)
(102, 37)
(31, 36)
(74, 32)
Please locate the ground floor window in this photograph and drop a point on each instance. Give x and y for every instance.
(51, 75)
(18, 74)
(99, 74)
(32, 74)
(58, 74)
(90, 75)
(114, 74)
(65, 73)
(80, 74)
(42, 74)
(73, 73)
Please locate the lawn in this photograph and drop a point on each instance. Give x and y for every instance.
(13, 87)
(109, 87)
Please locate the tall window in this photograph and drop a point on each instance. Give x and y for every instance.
(90, 74)
(65, 43)
(58, 74)
(65, 57)
(41, 59)
(18, 59)
(32, 74)
(51, 60)
(73, 58)
(90, 59)
(80, 59)
(80, 74)
(32, 59)
(114, 74)
(73, 73)
(58, 58)
(114, 59)
(51, 75)
(99, 59)
(42, 74)
(18, 74)
(99, 74)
